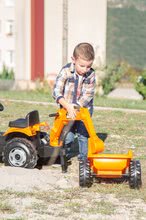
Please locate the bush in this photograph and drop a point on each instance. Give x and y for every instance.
(131, 74)
(126, 33)
(140, 85)
(6, 73)
(113, 74)
(42, 86)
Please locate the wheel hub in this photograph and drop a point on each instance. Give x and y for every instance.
(17, 157)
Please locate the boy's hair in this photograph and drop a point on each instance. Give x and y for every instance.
(84, 51)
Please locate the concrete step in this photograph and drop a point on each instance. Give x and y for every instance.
(125, 93)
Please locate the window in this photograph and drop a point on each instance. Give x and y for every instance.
(9, 27)
(1, 61)
(9, 3)
(0, 56)
(10, 57)
(0, 26)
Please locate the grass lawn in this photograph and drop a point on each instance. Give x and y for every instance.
(123, 131)
(98, 101)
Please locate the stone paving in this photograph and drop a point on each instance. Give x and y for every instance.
(125, 93)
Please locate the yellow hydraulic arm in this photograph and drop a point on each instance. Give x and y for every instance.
(95, 144)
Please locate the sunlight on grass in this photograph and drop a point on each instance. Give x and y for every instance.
(102, 207)
(47, 97)
(6, 208)
(120, 130)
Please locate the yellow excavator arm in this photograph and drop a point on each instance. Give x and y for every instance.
(63, 123)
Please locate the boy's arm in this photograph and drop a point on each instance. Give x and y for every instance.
(59, 85)
(88, 92)
(69, 107)
(58, 94)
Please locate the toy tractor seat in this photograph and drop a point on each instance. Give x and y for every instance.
(31, 119)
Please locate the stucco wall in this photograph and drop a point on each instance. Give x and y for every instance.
(86, 22)
(53, 35)
(22, 40)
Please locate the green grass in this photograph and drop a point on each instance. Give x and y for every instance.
(120, 103)
(80, 203)
(98, 101)
(25, 95)
(6, 208)
(122, 130)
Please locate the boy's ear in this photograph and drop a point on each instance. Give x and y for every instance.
(73, 59)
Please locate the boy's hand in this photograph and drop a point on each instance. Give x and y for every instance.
(71, 111)
(69, 107)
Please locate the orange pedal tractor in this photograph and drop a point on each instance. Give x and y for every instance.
(24, 143)
(98, 165)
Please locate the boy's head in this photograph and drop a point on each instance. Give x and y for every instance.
(83, 57)
(84, 51)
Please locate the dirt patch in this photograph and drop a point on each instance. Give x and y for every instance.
(49, 194)
(26, 180)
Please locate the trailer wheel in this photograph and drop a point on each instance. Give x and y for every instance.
(85, 178)
(135, 181)
(20, 152)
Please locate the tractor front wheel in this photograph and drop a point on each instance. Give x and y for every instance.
(20, 152)
(135, 181)
(85, 178)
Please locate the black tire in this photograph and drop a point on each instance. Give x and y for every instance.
(85, 178)
(20, 152)
(135, 181)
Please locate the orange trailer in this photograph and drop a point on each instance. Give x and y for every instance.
(97, 165)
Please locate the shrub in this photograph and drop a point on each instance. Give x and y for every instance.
(131, 74)
(42, 86)
(6, 73)
(113, 74)
(140, 85)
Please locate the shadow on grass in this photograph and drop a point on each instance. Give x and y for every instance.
(102, 136)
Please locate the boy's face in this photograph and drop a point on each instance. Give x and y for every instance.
(82, 66)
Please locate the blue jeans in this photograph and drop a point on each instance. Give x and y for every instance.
(78, 129)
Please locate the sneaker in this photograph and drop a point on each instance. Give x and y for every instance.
(82, 158)
(68, 157)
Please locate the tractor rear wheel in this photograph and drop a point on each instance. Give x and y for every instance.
(85, 178)
(20, 152)
(135, 181)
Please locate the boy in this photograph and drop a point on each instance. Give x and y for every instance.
(75, 85)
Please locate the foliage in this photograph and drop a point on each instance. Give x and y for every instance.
(113, 74)
(126, 35)
(42, 87)
(130, 74)
(139, 4)
(6, 73)
(141, 84)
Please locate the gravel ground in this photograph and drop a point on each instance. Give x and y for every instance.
(57, 196)
(26, 180)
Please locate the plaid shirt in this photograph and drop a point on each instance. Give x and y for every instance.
(67, 86)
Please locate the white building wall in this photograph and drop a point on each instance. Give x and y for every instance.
(7, 39)
(53, 35)
(23, 40)
(86, 22)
